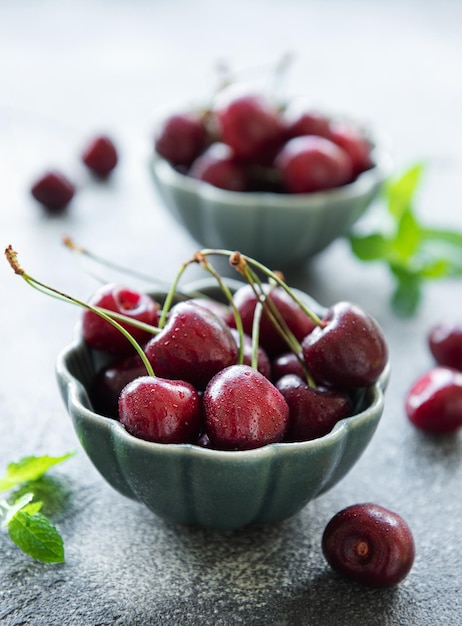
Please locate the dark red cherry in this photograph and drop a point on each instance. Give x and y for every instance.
(219, 308)
(181, 138)
(286, 363)
(194, 345)
(306, 123)
(251, 126)
(100, 156)
(164, 411)
(369, 544)
(348, 351)
(354, 144)
(445, 342)
(53, 190)
(101, 335)
(434, 401)
(218, 167)
(312, 163)
(243, 410)
(296, 319)
(312, 412)
(263, 362)
(109, 382)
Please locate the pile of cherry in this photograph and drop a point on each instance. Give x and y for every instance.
(247, 143)
(259, 369)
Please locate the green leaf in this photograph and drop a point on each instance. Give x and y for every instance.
(400, 191)
(370, 247)
(407, 296)
(29, 468)
(35, 535)
(12, 509)
(408, 237)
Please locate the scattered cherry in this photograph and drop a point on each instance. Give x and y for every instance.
(243, 410)
(164, 411)
(53, 190)
(369, 544)
(445, 342)
(100, 156)
(101, 335)
(434, 402)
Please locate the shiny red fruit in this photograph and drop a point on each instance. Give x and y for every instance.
(218, 167)
(445, 342)
(164, 411)
(354, 144)
(100, 334)
(100, 156)
(181, 138)
(369, 544)
(434, 402)
(311, 163)
(53, 190)
(243, 410)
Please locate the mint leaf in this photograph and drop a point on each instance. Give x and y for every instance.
(407, 238)
(29, 468)
(12, 509)
(370, 247)
(35, 535)
(407, 295)
(399, 192)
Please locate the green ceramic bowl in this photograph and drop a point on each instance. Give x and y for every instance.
(280, 230)
(187, 484)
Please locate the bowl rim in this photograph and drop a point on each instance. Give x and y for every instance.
(77, 396)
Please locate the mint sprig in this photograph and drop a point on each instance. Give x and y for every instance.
(29, 529)
(414, 252)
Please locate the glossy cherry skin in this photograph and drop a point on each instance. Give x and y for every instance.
(286, 363)
(101, 335)
(445, 343)
(369, 544)
(263, 362)
(250, 126)
(243, 410)
(109, 382)
(434, 402)
(100, 156)
(354, 144)
(181, 138)
(194, 345)
(310, 163)
(306, 122)
(218, 167)
(164, 411)
(53, 191)
(348, 351)
(297, 321)
(312, 412)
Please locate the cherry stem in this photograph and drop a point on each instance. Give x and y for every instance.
(11, 256)
(206, 265)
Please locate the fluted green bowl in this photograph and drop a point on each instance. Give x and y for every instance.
(188, 484)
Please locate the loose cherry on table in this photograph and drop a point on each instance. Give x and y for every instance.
(369, 544)
(53, 190)
(434, 402)
(100, 156)
(445, 342)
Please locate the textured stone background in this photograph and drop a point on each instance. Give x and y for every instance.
(69, 69)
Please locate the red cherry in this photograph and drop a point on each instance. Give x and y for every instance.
(286, 363)
(243, 409)
(354, 144)
(312, 412)
(164, 411)
(101, 335)
(306, 123)
(100, 156)
(348, 351)
(263, 362)
(218, 167)
(53, 190)
(369, 544)
(434, 401)
(250, 126)
(194, 345)
(181, 138)
(311, 163)
(297, 321)
(445, 342)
